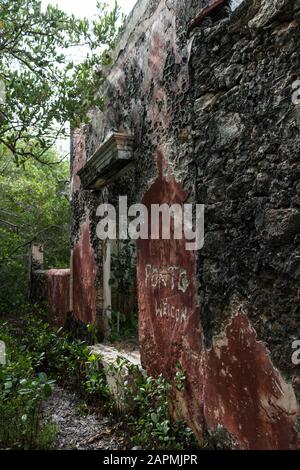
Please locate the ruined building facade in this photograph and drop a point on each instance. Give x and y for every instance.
(199, 108)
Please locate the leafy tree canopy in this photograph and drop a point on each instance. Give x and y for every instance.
(44, 88)
(34, 206)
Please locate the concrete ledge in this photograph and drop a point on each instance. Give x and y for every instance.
(110, 354)
(119, 379)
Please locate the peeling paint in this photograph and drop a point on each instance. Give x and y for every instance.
(84, 275)
(58, 295)
(253, 401)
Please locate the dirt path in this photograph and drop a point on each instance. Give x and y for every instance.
(79, 429)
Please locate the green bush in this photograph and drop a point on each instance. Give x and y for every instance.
(70, 362)
(55, 351)
(66, 359)
(95, 383)
(150, 423)
(33, 207)
(22, 392)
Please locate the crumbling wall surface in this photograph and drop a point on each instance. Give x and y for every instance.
(213, 122)
(86, 279)
(58, 295)
(84, 274)
(169, 309)
(246, 138)
(52, 288)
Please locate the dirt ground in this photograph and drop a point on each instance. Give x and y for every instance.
(79, 427)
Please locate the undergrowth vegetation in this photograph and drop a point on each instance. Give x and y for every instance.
(70, 363)
(148, 416)
(22, 392)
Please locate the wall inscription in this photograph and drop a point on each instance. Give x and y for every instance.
(171, 279)
(168, 293)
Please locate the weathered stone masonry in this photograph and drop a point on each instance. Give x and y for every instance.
(51, 284)
(210, 112)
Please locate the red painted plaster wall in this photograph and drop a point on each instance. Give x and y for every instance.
(234, 384)
(245, 393)
(84, 275)
(58, 295)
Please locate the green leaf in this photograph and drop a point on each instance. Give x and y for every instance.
(43, 377)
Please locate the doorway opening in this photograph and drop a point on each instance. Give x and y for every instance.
(120, 293)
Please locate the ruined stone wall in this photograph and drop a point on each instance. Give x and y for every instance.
(58, 295)
(213, 122)
(51, 286)
(246, 140)
(86, 255)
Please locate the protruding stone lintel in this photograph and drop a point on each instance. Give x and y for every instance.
(107, 162)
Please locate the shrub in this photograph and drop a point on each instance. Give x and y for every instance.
(21, 394)
(55, 351)
(66, 359)
(150, 423)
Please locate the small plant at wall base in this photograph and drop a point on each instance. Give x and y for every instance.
(149, 421)
(95, 382)
(153, 426)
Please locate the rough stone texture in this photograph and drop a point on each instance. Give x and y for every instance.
(212, 120)
(87, 251)
(246, 156)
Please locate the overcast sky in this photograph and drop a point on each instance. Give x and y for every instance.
(87, 8)
(82, 8)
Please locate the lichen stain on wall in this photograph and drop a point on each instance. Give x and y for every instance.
(84, 275)
(79, 161)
